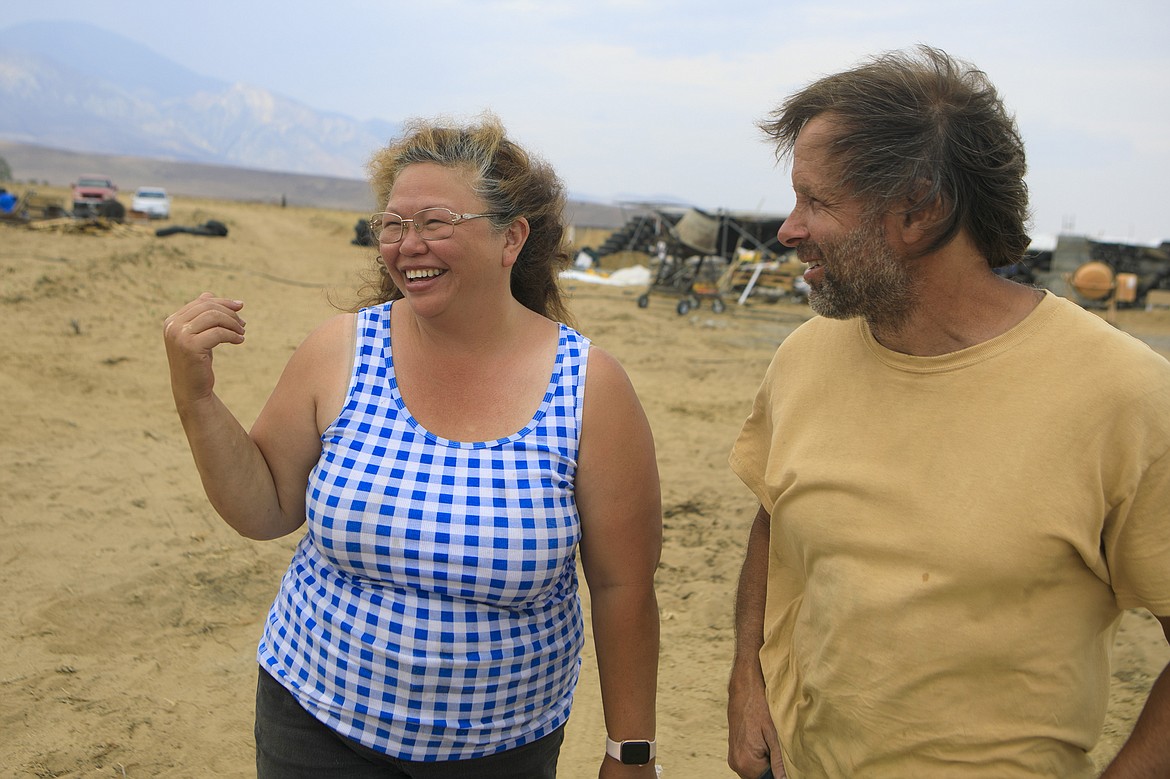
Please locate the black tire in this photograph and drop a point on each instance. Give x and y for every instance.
(643, 301)
(112, 209)
(215, 228)
(718, 306)
(683, 307)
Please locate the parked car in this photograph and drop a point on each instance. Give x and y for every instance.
(94, 195)
(152, 201)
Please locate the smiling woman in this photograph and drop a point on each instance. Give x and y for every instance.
(507, 181)
(439, 269)
(451, 446)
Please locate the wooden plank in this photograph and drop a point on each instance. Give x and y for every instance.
(1157, 298)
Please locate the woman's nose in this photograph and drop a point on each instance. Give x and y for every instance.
(411, 243)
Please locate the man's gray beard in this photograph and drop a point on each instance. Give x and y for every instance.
(863, 277)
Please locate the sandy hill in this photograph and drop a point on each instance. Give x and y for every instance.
(131, 611)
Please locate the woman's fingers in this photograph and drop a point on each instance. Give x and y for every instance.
(204, 323)
(191, 334)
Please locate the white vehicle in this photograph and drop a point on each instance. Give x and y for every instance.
(152, 201)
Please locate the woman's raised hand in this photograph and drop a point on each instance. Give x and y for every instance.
(191, 333)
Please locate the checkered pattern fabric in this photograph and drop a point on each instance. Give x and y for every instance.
(431, 610)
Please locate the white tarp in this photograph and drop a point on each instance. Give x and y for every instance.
(633, 276)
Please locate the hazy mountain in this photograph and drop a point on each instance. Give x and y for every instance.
(75, 86)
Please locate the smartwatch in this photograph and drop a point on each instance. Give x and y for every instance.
(635, 752)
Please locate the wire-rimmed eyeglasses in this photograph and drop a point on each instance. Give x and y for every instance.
(431, 224)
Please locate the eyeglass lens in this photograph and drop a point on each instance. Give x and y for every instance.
(432, 224)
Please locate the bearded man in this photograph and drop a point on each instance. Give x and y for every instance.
(963, 481)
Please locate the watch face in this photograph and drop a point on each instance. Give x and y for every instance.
(635, 752)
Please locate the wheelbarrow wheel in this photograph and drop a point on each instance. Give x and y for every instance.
(643, 301)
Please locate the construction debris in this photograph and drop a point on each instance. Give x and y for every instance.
(93, 226)
(31, 205)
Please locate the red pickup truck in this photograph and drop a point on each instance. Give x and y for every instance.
(96, 195)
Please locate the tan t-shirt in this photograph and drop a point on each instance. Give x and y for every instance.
(952, 541)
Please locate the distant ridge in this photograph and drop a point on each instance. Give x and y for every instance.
(61, 168)
(143, 119)
(71, 85)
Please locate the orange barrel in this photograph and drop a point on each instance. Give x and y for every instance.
(1093, 280)
(1126, 287)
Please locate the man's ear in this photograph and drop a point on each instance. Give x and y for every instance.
(514, 239)
(921, 222)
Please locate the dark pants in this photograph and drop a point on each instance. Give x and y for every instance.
(292, 743)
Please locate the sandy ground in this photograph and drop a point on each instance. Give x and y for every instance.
(131, 612)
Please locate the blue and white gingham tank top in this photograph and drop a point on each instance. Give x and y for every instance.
(431, 610)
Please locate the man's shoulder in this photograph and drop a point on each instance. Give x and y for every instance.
(820, 328)
(1106, 365)
(818, 339)
(1089, 336)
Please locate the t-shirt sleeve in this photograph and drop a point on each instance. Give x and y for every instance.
(749, 454)
(1137, 547)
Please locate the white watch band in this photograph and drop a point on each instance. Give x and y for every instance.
(614, 748)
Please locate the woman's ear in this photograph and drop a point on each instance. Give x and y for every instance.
(514, 238)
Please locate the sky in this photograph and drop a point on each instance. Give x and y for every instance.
(648, 99)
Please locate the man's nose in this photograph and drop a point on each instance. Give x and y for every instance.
(791, 232)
